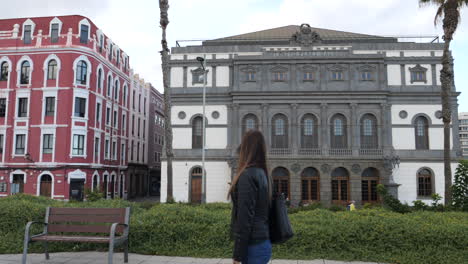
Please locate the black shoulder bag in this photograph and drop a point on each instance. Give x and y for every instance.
(280, 227)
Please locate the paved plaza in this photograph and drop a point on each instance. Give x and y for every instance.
(101, 258)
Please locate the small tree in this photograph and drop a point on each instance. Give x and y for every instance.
(460, 187)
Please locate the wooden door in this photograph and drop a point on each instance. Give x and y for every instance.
(46, 186)
(196, 189)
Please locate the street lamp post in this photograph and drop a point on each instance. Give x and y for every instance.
(203, 65)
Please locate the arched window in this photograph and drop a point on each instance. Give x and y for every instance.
(281, 181)
(279, 132)
(369, 181)
(25, 72)
(340, 185)
(99, 84)
(52, 70)
(425, 185)
(369, 137)
(309, 132)
(81, 72)
(310, 179)
(4, 71)
(250, 122)
(109, 85)
(116, 90)
(421, 130)
(196, 185)
(105, 186)
(46, 185)
(339, 132)
(197, 132)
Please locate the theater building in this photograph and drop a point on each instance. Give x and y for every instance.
(341, 112)
(64, 103)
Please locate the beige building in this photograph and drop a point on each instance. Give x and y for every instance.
(463, 119)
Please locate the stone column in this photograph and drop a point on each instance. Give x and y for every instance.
(324, 128)
(236, 126)
(231, 128)
(293, 137)
(355, 187)
(265, 130)
(325, 184)
(354, 130)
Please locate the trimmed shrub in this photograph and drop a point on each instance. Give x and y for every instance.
(375, 235)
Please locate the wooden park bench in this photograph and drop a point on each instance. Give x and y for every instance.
(87, 225)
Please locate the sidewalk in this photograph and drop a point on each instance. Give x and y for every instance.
(101, 258)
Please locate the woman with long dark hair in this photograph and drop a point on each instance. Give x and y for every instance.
(251, 195)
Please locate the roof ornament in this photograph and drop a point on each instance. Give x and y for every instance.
(305, 36)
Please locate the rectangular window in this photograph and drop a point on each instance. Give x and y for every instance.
(251, 76)
(418, 76)
(47, 143)
(27, 34)
(138, 151)
(118, 58)
(144, 107)
(108, 116)
(143, 154)
(98, 112)
(139, 103)
(308, 76)
(54, 33)
(144, 128)
(80, 107)
(84, 34)
(133, 125)
(337, 75)
(279, 76)
(1, 143)
(114, 150)
(50, 106)
(366, 76)
(114, 121)
(78, 145)
(106, 149)
(2, 107)
(96, 148)
(131, 152)
(126, 63)
(133, 100)
(101, 42)
(122, 153)
(110, 51)
(138, 127)
(20, 144)
(22, 107)
(123, 122)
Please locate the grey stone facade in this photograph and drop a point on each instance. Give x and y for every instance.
(322, 97)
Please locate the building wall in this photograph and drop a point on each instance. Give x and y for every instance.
(463, 131)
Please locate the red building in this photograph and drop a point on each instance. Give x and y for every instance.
(63, 108)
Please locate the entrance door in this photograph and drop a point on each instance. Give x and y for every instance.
(18, 184)
(46, 186)
(76, 190)
(196, 185)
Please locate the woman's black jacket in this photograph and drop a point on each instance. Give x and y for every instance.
(249, 221)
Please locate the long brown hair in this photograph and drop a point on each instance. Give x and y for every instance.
(252, 153)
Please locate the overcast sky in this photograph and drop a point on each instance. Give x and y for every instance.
(134, 25)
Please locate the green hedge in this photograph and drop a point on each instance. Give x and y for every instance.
(203, 231)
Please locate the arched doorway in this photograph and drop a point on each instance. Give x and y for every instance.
(369, 181)
(95, 182)
(340, 186)
(121, 185)
(310, 183)
(281, 181)
(196, 185)
(105, 186)
(46, 185)
(112, 187)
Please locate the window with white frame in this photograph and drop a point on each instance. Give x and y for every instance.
(99, 80)
(109, 86)
(47, 143)
(20, 144)
(54, 33)
(98, 112)
(4, 70)
(81, 72)
(106, 148)
(96, 148)
(1, 143)
(108, 117)
(25, 72)
(50, 106)
(114, 150)
(84, 33)
(116, 90)
(22, 107)
(123, 122)
(80, 107)
(52, 70)
(78, 145)
(2, 107)
(114, 121)
(27, 34)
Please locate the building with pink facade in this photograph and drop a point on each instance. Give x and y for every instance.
(64, 108)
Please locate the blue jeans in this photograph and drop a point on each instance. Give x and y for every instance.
(259, 253)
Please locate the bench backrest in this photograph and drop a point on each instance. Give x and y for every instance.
(86, 220)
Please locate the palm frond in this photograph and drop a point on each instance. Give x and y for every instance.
(439, 14)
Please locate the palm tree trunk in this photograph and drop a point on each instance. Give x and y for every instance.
(164, 21)
(450, 23)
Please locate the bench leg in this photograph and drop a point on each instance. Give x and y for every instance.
(126, 251)
(25, 250)
(46, 250)
(111, 251)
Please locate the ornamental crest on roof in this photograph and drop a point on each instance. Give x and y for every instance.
(305, 36)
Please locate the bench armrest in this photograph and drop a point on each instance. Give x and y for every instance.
(28, 227)
(114, 226)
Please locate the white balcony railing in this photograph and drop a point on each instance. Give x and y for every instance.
(371, 152)
(310, 151)
(280, 151)
(340, 152)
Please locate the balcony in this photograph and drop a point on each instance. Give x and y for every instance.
(310, 151)
(280, 151)
(340, 152)
(371, 152)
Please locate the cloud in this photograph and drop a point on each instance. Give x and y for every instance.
(37, 8)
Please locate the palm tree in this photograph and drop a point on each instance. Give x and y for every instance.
(164, 21)
(450, 11)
